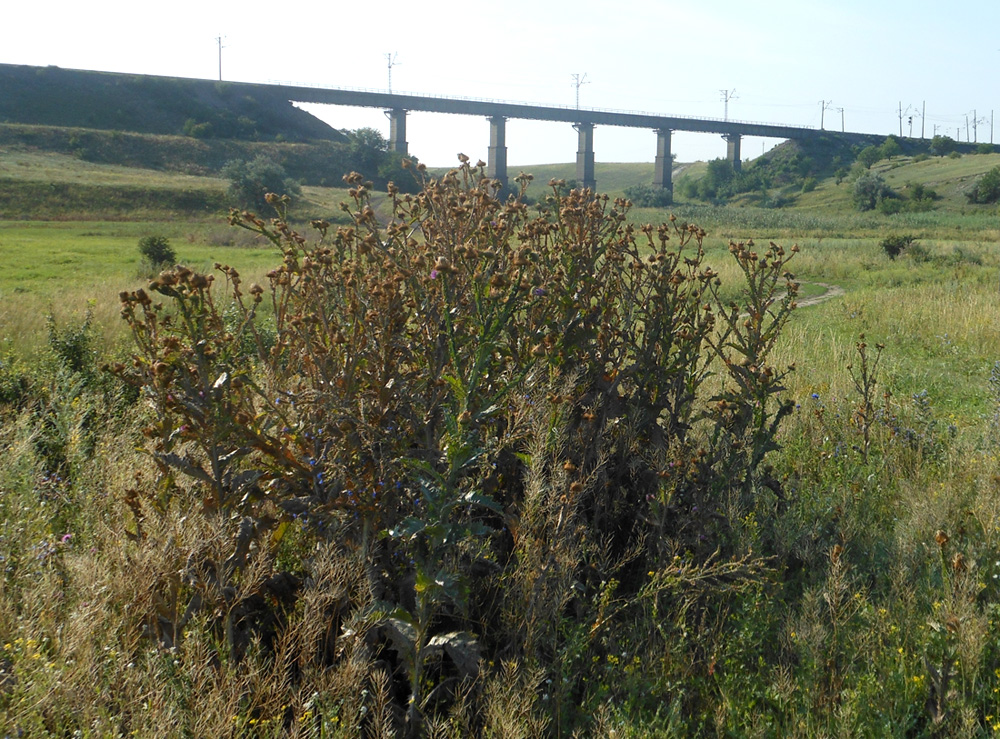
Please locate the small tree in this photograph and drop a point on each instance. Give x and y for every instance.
(156, 250)
(251, 181)
(987, 189)
(941, 145)
(869, 155)
(890, 148)
(870, 189)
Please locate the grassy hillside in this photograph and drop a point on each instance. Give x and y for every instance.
(142, 103)
(54, 173)
(313, 163)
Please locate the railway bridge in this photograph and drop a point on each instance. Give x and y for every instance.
(583, 121)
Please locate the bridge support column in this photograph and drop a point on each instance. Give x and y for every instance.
(733, 150)
(496, 165)
(585, 156)
(397, 130)
(664, 163)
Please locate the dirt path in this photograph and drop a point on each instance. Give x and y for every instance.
(832, 291)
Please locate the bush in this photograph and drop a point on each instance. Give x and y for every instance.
(870, 189)
(987, 188)
(941, 145)
(251, 181)
(868, 156)
(890, 206)
(890, 148)
(156, 251)
(648, 196)
(503, 418)
(894, 245)
(985, 149)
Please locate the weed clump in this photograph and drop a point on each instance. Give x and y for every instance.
(502, 417)
(894, 245)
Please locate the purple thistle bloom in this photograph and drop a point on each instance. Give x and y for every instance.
(434, 274)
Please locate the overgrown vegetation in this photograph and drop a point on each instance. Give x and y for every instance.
(987, 188)
(894, 245)
(251, 181)
(480, 469)
(649, 196)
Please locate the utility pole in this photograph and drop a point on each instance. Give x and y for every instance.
(923, 118)
(218, 40)
(967, 139)
(578, 80)
(909, 133)
(727, 95)
(975, 131)
(900, 119)
(824, 104)
(991, 127)
(390, 58)
(843, 128)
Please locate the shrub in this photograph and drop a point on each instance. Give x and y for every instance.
(648, 196)
(890, 148)
(985, 149)
(890, 206)
(868, 156)
(894, 245)
(870, 189)
(156, 251)
(251, 181)
(987, 188)
(941, 145)
(503, 418)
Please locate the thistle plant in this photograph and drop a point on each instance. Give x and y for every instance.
(451, 396)
(747, 412)
(865, 376)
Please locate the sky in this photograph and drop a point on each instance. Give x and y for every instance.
(851, 63)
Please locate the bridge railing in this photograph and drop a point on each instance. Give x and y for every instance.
(465, 98)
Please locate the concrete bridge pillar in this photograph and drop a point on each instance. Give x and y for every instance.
(733, 150)
(397, 130)
(585, 156)
(663, 168)
(496, 165)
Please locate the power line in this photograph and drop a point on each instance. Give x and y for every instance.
(727, 95)
(218, 40)
(579, 80)
(824, 104)
(390, 58)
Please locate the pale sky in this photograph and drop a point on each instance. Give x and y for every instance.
(781, 57)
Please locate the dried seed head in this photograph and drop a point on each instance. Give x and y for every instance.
(835, 553)
(958, 563)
